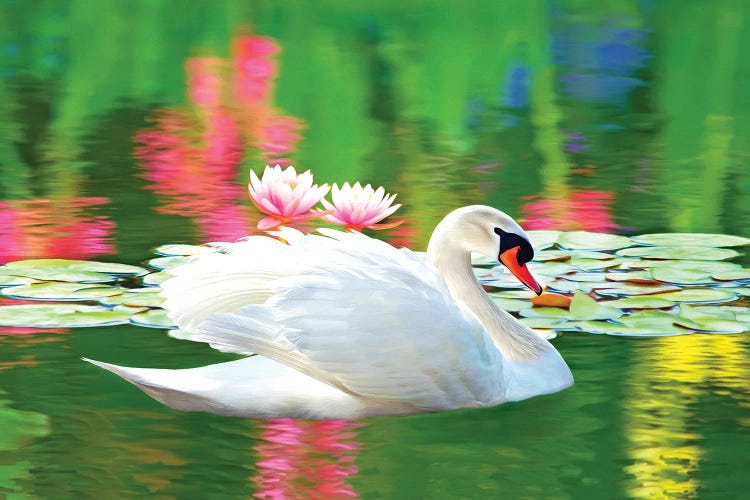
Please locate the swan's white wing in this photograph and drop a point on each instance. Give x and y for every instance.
(348, 310)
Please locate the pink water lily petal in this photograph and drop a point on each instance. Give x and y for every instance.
(358, 207)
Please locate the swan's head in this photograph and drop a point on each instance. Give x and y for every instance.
(487, 230)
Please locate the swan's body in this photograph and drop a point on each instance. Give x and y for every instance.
(346, 326)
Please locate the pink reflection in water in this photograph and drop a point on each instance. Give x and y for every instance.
(306, 459)
(584, 210)
(54, 228)
(193, 156)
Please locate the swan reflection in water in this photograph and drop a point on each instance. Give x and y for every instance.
(306, 459)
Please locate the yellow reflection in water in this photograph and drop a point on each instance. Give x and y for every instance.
(660, 410)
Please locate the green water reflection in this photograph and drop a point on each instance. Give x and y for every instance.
(135, 123)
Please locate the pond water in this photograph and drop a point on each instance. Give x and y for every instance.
(135, 124)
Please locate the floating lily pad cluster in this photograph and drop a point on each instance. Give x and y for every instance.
(73, 293)
(648, 285)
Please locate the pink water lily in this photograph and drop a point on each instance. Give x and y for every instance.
(356, 207)
(285, 196)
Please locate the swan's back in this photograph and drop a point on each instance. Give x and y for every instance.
(353, 312)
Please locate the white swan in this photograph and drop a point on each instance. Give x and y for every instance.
(346, 326)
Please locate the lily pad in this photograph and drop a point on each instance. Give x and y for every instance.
(542, 238)
(511, 305)
(681, 276)
(585, 308)
(161, 263)
(60, 316)
(742, 291)
(733, 275)
(698, 295)
(156, 279)
(691, 239)
(61, 291)
(642, 302)
(620, 290)
(182, 249)
(712, 325)
(112, 268)
(649, 323)
(594, 264)
(145, 297)
(565, 286)
(514, 294)
(585, 240)
(643, 277)
(585, 277)
(679, 253)
(699, 265)
(545, 312)
(155, 318)
(541, 323)
(551, 256)
(51, 273)
(553, 269)
(15, 281)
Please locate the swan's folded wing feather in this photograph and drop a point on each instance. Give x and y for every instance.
(366, 318)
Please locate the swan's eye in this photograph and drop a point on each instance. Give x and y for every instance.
(511, 240)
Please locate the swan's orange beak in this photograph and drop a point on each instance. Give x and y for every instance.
(520, 271)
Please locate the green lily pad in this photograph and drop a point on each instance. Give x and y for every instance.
(155, 318)
(81, 265)
(585, 277)
(552, 269)
(511, 305)
(594, 264)
(585, 308)
(182, 249)
(585, 240)
(156, 279)
(632, 276)
(61, 291)
(514, 294)
(60, 316)
(642, 302)
(161, 263)
(565, 286)
(595, 327)
(698, 265)
(691, 239)
(698, 295)
(649, 323)
(681, 276)
(145, 297)
(741, 291)
(479, 260)
(712, 325)
(130, 309)
(15, 281)
(621, 289)
(733, 275)
(679, 253)
(50, 273)
(551, 255)
(542, 238)
(541, 323)
(545, 312)
(592, 255)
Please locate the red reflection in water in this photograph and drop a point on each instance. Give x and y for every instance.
(193, 156)
(581, 210)
(306, 459)
(54, 228)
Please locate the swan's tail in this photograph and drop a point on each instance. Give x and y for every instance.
(169, 387)
(254, 387)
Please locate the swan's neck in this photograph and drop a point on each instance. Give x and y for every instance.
(513, 339)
